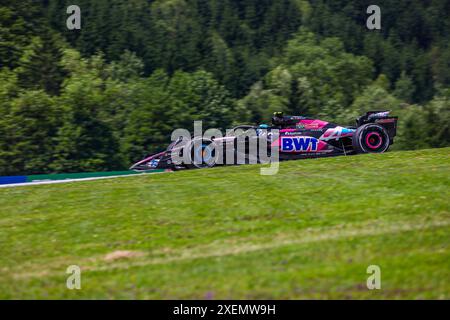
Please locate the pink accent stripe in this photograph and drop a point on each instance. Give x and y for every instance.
(313, 124)
(150, 158)
(322, 145)
(287, 130)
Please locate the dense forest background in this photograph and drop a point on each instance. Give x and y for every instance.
(104, 96)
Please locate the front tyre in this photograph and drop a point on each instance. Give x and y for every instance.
(370, 138)
(203, 154)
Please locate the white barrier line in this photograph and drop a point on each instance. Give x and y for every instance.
(43, 182)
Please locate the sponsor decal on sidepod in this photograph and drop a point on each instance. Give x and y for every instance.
(299, 144)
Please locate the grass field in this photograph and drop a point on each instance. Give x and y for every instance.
(310, 231)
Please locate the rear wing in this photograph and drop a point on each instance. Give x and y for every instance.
(383, 118)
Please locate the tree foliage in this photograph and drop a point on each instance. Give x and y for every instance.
(313, 77)
(101, 97)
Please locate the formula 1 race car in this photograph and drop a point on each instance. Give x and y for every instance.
(297, 137)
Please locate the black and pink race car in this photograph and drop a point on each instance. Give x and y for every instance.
(297, 138)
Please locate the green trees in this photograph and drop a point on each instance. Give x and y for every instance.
(19, 22)
(85, 142)
(404, 88)
(166, 103)
(28, 128)
(40, 65)
(411, 30)
(376, 96)
(103, 96)
(438, 120)
(232, 39)
(313, 77)
(201, 98)
(112, 116)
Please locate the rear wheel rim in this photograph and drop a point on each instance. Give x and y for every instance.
(374, 140)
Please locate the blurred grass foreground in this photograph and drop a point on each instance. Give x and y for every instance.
(310, 231)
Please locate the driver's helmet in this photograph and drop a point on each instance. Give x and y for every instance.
(279, 119)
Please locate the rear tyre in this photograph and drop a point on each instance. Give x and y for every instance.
(370, 138)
